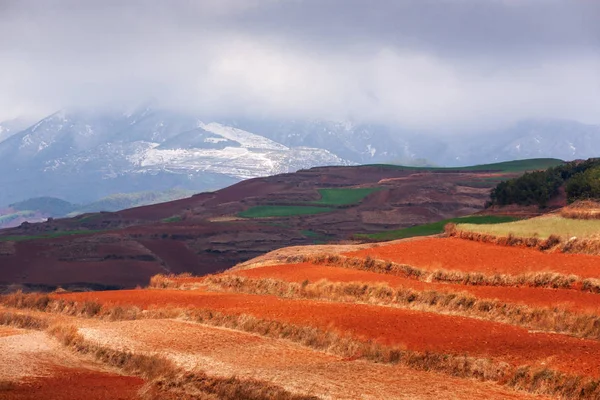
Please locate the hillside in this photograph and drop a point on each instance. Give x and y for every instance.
(216, 230)
(421, 319)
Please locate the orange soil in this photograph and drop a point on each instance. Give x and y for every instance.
(225, 353)
(470, 256)
(6, 331)
(569, 299)
(73, 383)
(410, 329)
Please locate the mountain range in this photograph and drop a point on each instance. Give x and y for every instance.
(82, 156)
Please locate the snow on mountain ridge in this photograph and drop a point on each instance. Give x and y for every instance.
(245, 138)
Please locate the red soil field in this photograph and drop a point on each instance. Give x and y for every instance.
(470, 256)
(539, 297)
(408, 329)
(74, 383)
(225, 352)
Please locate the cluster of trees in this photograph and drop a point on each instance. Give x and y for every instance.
(581, 181)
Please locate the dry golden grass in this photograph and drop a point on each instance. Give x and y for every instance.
(539, 227)
(538, 318)
(584, 209)
(23, 321)
(505, 236)
(161, 281)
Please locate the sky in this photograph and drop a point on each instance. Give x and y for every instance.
(440, 65)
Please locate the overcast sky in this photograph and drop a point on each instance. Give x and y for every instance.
(424, 64)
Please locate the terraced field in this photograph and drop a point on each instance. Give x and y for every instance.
(383, 321)
(541, 227)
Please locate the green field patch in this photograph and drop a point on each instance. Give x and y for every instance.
(343, 196)
(282, 211)
(540, 227)
(508, 166)
(20, 238)
(435, 227)
(174, 218)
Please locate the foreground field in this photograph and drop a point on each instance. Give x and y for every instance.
(467, 256)
(370, 322)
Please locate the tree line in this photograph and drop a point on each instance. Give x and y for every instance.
(581, 180)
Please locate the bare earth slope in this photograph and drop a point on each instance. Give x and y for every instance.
(204, 234)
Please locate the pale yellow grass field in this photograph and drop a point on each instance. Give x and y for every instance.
(541, 227)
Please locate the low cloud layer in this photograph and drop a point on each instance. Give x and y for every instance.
(444, 65)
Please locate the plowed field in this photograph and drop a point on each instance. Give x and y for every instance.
(540, 297)
(75, 383)
(408, 329)
(33, 366)
(470, 256)
(225, 353)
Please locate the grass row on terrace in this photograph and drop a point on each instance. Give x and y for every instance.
(20, 238)
(508, 166)
(435, 227)
(282, 211)
(541, 227)
(330, 198)
(343, 196)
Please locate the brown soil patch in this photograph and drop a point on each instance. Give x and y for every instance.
(469, 256)
(225, 353)
(574, 300)
(414, 330)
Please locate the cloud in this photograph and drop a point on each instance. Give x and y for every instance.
(440, 65)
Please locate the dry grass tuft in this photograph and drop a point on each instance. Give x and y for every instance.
(545, 319)
(86, 309)
(583, 209)
(22, 321)
(172, 281)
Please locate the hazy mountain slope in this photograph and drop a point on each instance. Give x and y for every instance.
(360, 143)
(81, 156)
(567, 140)
(11, 127)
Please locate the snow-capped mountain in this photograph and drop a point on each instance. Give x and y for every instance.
(83, 156)
(361, 143)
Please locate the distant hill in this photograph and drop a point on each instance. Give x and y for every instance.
(40, 208)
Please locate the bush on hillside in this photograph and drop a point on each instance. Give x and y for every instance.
(582, 181)
(584, 185)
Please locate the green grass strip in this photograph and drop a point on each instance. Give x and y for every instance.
(508, 166)
(282, 211)
(343, 196)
